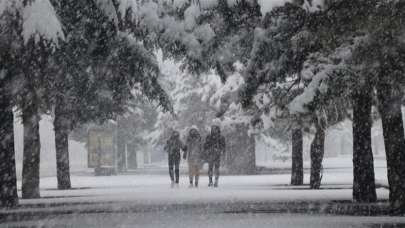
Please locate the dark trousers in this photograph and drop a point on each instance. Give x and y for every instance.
(213, 168)
(174, 163)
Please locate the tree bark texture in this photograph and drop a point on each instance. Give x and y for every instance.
(389, 99)
(317, 153)
(31, 154)
(62, 129)
(8, 178)
(363, 164)
(297, 170)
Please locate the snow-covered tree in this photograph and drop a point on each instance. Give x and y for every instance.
(111, 61)
(202, 35)
(202, 102)
(33, 32)
(41, 33)
(285, 57)
(369, 50)
(8, 180)
(97, 72)
(280, 47)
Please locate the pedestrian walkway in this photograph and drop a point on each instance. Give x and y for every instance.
(142, 195)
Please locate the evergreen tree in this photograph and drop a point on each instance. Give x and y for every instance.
(8, 179)
(97, 72)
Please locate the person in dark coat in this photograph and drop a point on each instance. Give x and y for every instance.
(193, 155)
(215, 148)
(173, 147)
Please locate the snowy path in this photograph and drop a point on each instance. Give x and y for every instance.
(192, 220)
(152, 189)
(148, 201)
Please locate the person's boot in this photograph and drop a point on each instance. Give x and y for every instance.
(216, 182)
(171, 173)
(210, 182)
(177, 174)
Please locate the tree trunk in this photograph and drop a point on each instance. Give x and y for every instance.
(393, 132)
(121, 141)
(31, 155)
(363, 166)
(132, 160)
(8, 179)
(297, 171)
(317, 152)
(252, 155)
(62, 128)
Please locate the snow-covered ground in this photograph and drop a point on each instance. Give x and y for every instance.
(213, 220)
(155, 189)
(146, 200)
(342, 162)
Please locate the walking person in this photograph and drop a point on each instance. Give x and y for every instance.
(215, 148)
(173, 147)
(193, 155)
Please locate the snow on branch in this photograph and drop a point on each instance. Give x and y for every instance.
(298, 105)
(9, 5)
(124, 5)
(40, 21)
(318, 69)
(309, 5)
(137, 47)
(267, 6)
(107, 7)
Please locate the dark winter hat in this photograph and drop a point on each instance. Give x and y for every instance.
(215, 129)
(194, 132)
(175, 134)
